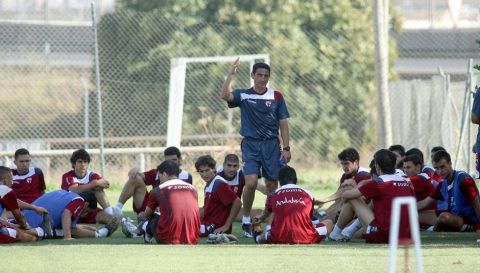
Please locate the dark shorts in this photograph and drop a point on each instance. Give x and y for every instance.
(152, 228)
(261, 155)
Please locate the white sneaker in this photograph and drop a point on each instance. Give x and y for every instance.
(128, 228)
(339, 238)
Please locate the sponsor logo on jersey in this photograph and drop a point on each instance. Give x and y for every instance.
(268, 103)
(292, 200)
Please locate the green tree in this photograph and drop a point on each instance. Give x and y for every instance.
(322, 55)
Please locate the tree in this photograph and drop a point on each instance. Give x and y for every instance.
(322, 58)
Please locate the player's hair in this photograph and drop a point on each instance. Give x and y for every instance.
(260, 65)
(89, 197)
(169, 167)
(21, 151)
(373, 170)
(436, 149)
(205, 160)
(80, 154)
(349, 154)
(172, 150)
(231, 158)
(416, 151)
(385, 159)
(399, 165)
(436, 157)
(397, 148)
(4, 172)
(287, 175)
(415, 159)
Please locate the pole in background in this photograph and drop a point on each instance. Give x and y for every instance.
(384, 129)
(86, 107)
(99, 94)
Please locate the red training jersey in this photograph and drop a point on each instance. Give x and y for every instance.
(236, 183)
(179, 221)
(70, 179)
(219, 198)
(292, 220)
(382, 191)
(151, 177)
(28, 187)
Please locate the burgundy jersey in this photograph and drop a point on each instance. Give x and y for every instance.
(29, 186)
(360, 175)
(237, 183)
(219, 198)
(70, 179)
(179, 221)
(422, 184)
(292, 219)
(382, 191)
(8, 199)
(152, 178)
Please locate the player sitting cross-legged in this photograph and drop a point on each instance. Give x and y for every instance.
(292, 209)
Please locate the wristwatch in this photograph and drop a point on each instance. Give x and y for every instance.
(286, 148)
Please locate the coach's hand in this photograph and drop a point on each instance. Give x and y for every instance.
(287, 155)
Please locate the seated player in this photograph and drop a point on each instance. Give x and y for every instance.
(221, 204)
(137, 183)
(382, 190)
(65, 209)
(350, 161)
(28, 182)
(423, 186)
(429, 170)
(292, 209)
(19, 232)
(81, 179)
(399, 152)
(457, 197)
(177, 201)
(231, 172)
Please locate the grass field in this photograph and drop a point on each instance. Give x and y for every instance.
(442, 252)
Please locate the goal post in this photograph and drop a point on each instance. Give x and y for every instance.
(176, 94)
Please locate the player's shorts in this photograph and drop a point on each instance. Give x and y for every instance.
(373, 235)
(261, 155)
(8, 235)
(90, 217)
(144, 204)
(319, 227)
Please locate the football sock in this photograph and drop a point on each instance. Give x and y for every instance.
(109, 210)
(352, 228)
(246, 219)
(101, 233)
(40, 232)
(119, 205)
(336, 232)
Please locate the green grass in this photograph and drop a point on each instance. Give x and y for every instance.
(442, 252)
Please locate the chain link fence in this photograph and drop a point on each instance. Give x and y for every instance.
(50, 105)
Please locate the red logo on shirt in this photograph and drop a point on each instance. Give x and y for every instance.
(268, 103)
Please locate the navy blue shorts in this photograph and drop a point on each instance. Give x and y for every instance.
(261, 155)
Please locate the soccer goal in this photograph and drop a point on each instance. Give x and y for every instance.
(178, 68)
